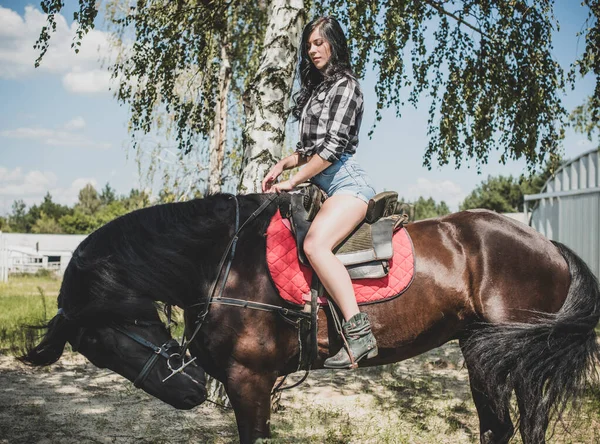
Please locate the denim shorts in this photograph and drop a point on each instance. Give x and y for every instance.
(345, 176)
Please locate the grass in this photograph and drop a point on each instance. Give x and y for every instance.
(415, 401)
(25, 300)
(30, 300)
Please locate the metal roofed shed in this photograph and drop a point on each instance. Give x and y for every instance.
(568, 208)
(27, 252)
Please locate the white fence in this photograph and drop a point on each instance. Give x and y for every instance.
(3, 259)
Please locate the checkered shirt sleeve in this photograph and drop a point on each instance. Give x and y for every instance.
(331, 121)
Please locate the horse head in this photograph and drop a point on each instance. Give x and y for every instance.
(145, 353)
(104, 315)
(142, 351)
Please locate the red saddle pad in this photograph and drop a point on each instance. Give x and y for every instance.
(292, 279)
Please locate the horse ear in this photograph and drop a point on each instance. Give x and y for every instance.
(50, 349)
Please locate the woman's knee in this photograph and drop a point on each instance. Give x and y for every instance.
(313, 246)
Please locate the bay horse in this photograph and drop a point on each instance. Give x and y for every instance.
(523, 309)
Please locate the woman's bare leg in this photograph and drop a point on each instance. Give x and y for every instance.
(339, 215)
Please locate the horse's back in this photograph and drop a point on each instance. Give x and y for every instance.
(506, 269)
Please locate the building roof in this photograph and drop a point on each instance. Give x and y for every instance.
(580, 175)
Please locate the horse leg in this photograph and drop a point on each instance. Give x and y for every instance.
(250, 396)
(534, 420)
(493, 428)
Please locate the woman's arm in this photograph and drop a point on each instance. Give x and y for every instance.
(314, 165)
(287, 163)
(292, 161)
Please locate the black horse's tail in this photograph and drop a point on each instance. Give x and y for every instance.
(51, 347)
(546, 363)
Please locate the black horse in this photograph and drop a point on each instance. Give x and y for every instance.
(523, 309)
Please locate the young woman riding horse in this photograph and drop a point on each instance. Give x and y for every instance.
(330, 107)
(523, 309)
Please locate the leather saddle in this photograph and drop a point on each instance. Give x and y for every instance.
(367, 250)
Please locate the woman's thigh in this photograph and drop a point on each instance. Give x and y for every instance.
(339, 215)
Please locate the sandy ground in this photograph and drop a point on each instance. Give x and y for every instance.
(75, 402)
(422, 400)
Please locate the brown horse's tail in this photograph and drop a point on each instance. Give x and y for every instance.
(50, 349)
(547, 363)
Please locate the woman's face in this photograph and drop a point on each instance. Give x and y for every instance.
(318, 49)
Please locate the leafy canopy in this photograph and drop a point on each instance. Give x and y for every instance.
(485, 67)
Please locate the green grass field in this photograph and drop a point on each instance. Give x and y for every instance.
(25, 300)
(30, 300)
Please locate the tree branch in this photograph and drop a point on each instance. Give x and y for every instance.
(439, 8)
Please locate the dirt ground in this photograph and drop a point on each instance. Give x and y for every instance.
(422, 400)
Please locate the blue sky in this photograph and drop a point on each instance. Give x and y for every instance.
(60, 127)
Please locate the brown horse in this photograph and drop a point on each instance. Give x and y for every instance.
(523, 308)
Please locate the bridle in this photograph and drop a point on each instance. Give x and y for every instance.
(290, 315)
(164, 351)
(170, 350)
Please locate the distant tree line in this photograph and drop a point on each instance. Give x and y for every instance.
(92, 210)
(503, 194)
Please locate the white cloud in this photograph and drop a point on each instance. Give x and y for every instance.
(32, 186)
(57, 137)
(70, 195)
(75, 124)
(445, 190)
(11, 23)
(86, 82)
(27, 133)
(25, 184)
(10, 176)
(81, 72)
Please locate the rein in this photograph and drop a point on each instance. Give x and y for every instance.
(292, 316)
(228, 256)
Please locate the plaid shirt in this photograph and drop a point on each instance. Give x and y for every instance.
(331, 120)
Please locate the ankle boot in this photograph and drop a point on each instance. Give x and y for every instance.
(361, 343)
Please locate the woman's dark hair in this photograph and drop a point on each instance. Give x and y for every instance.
(338, 65)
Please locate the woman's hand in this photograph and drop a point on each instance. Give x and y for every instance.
(271, 177)
(286, 185)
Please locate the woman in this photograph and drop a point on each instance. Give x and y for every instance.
(330, 107)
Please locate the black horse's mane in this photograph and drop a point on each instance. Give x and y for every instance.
(166, 253)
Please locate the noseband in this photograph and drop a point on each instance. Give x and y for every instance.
(163, 350)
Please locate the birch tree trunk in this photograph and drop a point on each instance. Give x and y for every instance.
(217, 143)
(266, 100)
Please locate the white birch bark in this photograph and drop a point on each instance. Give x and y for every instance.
(267, 96)
(218, 139)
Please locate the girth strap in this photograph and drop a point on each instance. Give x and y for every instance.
(285, 312)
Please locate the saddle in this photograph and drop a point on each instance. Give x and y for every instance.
(367, 250)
